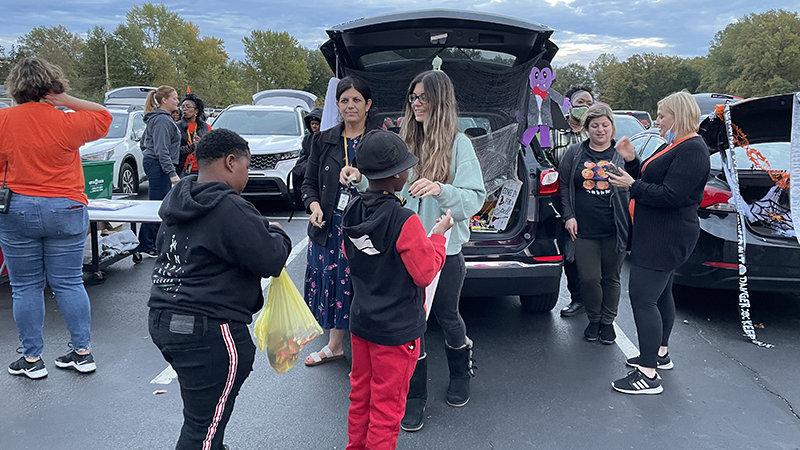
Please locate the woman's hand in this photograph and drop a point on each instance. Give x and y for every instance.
(316, 215)
(572, 228)
(443, 223)
(348, 174)
(625, 149)
(624, 180)
(61, 99)
(175, 179)
(425, 187)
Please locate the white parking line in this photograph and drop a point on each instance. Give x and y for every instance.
(624, 343)
(167, 375)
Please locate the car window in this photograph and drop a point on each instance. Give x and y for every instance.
(653, 144)
(138, 124)
(627, 126)
(776, 154)
(373, 61)
(119, 126)
(251, 122)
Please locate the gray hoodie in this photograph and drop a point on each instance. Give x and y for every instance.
(162, 140)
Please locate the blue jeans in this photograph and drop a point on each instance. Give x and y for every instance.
(42, 240)
(159, 186)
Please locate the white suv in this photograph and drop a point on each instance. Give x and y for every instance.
(121, 145)
(275, 135)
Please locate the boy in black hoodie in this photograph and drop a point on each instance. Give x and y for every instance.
(213, 249)
(391, 261)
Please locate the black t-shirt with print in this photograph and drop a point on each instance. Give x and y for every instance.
(593, 209)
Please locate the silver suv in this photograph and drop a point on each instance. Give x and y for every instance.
(121, 145)
(275, 135)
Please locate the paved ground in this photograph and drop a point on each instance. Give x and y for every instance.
(538, 383)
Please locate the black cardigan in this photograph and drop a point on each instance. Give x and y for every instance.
(321, 183)
(667, 195)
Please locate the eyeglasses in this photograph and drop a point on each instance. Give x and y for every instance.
(422, 98)
(184, 107)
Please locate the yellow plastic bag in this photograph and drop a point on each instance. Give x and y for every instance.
(285, 324)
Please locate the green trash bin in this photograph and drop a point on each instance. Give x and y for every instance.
(98, 176)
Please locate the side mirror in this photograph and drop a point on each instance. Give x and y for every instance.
(135, 136)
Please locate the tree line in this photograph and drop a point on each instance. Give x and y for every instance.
(155, 46)
(757, 55)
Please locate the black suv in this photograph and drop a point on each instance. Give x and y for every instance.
(489, 58)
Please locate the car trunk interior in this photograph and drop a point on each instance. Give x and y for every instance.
(498, 153)
(767, 211)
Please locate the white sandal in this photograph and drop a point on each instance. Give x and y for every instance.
(329, 356)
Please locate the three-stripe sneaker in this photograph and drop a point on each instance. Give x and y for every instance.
(81, 363)
(637, 383)
(663, 362)
(32, 370)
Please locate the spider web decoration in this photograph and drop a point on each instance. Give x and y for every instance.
(770, 211)
(773, 211)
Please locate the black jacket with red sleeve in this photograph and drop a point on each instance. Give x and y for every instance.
(391, 261)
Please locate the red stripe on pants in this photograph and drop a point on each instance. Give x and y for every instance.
(379, 384)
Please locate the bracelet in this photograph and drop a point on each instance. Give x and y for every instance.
(631, 185)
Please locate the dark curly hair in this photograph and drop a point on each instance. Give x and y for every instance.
(578, 87)
(219, 144)
(200, 106)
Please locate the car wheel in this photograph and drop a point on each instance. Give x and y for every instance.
(540, 303)
(128, 180)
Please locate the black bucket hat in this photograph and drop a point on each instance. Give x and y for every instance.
(382, 154)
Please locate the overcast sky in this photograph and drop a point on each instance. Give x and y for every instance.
(584, 28)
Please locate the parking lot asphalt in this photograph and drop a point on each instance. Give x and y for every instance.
(538, 383)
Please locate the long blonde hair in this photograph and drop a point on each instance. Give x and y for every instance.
(154, 98)
(432, 141)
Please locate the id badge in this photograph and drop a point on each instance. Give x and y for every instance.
(344, 199)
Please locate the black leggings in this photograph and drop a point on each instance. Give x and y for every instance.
(445, 303)
(653, 310)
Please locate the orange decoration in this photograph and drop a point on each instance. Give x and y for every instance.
(779, 177)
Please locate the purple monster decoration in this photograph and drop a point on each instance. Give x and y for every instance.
(539, 115)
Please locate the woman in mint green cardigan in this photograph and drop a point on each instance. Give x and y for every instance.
(448, 177)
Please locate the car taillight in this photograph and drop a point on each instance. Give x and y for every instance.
(716, 199)
(548, 183)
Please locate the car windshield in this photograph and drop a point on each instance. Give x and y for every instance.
(118, 126)
(254, 122)
(708, 104)
(627, 126)
(776, 154)
(374, 61)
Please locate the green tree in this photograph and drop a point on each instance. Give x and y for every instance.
(570, 75)
(319, 73)
(275, 60)
(56, 45)
(7, 61)
(120, 69)
(757, 55)
(642, 80)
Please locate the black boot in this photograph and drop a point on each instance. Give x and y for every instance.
(417, 397)
(459, 360)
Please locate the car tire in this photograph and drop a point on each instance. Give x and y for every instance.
(540, 303)
(128, 179)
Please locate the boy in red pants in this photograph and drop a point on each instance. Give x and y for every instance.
(391, 261)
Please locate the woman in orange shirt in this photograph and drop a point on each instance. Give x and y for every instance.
(44, 230)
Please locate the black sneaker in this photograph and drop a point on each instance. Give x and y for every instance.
(81, 363)
(607, 333)
(637, 383)
(32, 370)
(664, 362)
(573, 309)
(592, 331)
